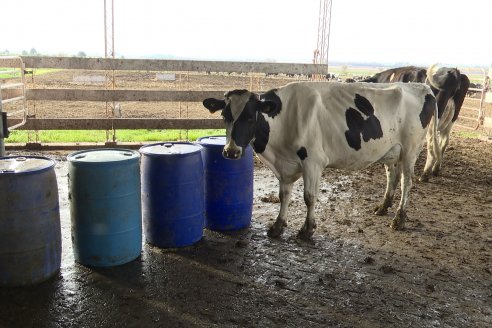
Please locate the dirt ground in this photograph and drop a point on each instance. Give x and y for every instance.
(356, 272)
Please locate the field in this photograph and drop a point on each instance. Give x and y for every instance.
(356, 272)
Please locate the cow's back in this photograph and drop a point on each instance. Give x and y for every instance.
(399, 74)
(349, 125)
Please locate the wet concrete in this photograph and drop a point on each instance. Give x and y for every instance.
(355, 273)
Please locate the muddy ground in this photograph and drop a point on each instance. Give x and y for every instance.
(356, 272)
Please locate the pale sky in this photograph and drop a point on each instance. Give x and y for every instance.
(454, 32)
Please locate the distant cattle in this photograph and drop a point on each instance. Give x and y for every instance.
(475, 90)
(450, 88)
(303, 127)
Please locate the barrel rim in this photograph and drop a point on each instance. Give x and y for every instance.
(143, 151)
(200, 142)
(47, 168)
(71, 157)
(214, 145)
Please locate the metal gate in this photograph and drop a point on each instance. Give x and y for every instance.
(12, 95)
(472, 112)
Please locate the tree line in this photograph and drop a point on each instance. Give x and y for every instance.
(34, 52)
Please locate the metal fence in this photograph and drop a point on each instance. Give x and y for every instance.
(473, 111)
(110, 95)
(15, 90)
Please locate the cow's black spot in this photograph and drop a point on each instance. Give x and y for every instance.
(427, 110)
(369, 128)
(227, 114)
(355, 123)
(460, 94)
(262, 132)
(363, 105)
(243, 129)
(442, 98)
(272, 96)
(372, 129)
(302, 153)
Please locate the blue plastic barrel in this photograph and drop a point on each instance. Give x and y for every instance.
(228, 186)
(105, 206)
(30, 235)
(173, 195)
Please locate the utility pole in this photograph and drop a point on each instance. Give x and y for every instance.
(109, 53)
(320, 55)
(2, 128)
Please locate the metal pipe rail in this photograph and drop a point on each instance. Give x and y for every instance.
(11, 85)
(106, 64)
(19, 68)
(137, 95)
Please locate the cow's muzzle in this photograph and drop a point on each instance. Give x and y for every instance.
(232, 153)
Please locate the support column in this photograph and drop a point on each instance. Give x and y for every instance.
(2, 143)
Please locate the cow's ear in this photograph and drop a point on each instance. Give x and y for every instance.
(267, 106)
(213, 104)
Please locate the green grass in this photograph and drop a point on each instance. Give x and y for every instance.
(66, 136)
(468, 134)
(37, 71)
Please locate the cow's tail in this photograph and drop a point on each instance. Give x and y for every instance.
(434, 131)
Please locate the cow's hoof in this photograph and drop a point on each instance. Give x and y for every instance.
(398, 222)
(436, 171)
(380, 210)
(306, 233)
(424, 177)
(276, 229)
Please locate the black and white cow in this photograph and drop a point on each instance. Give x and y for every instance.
(301, 128)
(449, 86)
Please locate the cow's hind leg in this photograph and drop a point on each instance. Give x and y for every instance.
(431, 160)
(392, 177)
(443, 144)
(391, 164)
(285, 194)
(311, 186)
(408, 165)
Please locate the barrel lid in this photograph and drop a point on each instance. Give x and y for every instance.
(103, 155)
(213, 141)
(21, 164)
(170, 148)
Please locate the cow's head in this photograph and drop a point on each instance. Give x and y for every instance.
(443, 78)
(444, 82)
(241, 111)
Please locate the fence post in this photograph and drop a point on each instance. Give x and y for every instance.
(2, 128)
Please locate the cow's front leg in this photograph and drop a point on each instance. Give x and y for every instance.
(285, 194)
(311, 187)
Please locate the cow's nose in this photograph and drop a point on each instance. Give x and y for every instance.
(231, 153)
